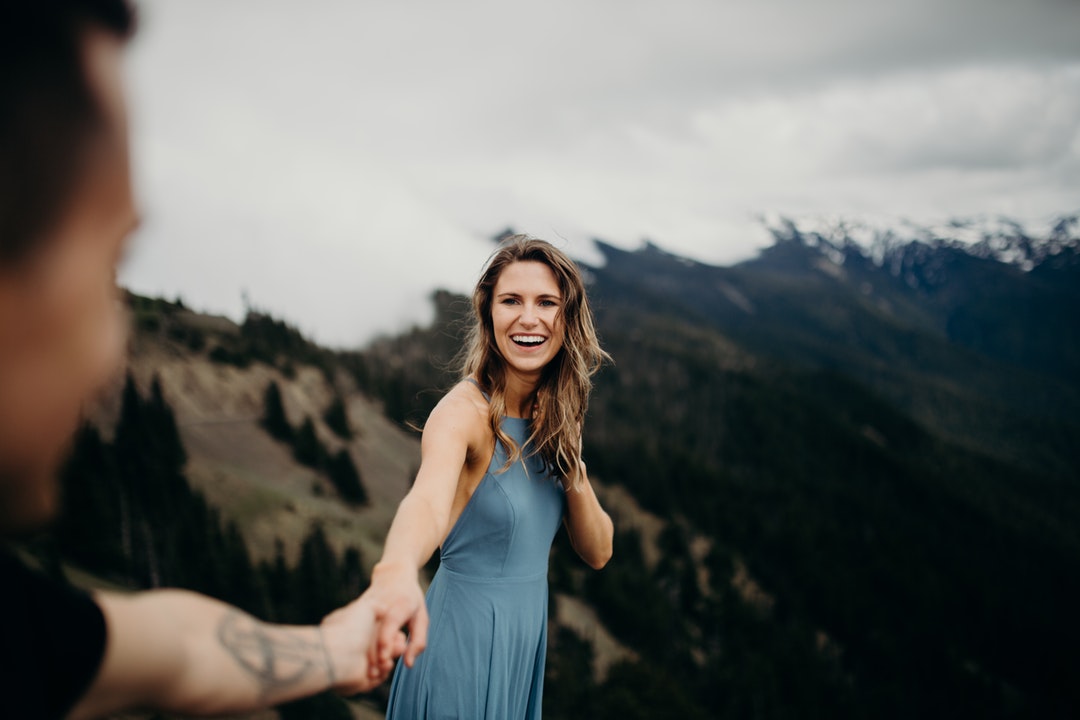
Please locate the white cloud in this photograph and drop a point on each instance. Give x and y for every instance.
(338, 160)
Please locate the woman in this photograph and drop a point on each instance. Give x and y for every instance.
(501, 467)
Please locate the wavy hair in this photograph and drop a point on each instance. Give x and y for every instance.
(562, 395)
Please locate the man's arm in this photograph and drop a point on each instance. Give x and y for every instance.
(183, 652)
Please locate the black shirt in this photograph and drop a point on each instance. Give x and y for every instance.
(52, 640)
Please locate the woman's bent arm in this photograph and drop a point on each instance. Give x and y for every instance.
(589, 526)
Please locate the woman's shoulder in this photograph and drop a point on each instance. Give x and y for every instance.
(464, 407)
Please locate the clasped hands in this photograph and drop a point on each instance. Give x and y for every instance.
(392, 602)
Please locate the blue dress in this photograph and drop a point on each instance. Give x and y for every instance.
(488, 600)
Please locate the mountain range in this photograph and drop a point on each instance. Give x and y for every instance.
(880, 431)
(960, 336)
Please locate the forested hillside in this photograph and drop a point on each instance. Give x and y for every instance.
(236, 461)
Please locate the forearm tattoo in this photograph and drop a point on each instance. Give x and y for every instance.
(277, 658)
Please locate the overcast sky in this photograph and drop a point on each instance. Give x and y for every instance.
(337, 160)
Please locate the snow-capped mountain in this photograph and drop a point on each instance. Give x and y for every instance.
(895, 245)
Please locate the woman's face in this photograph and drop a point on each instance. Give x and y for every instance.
(526, 316)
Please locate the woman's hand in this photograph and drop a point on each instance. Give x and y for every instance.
(349, 635)
(397, 601)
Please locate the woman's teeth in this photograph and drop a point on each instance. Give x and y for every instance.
(528, 340)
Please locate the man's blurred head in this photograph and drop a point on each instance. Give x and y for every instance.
(66, 208)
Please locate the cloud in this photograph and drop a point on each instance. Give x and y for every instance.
(338, 160)
(966, 118)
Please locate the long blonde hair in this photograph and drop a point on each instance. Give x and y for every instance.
(562, 396)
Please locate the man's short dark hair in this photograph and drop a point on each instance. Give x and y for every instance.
(48, 112)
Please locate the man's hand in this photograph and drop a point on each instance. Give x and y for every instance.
(349, 636)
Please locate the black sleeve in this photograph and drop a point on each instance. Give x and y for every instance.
(52, 640)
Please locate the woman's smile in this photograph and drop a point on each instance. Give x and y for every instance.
(528, 341)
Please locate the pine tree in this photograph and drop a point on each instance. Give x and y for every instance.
(244, 585)
(132, 469)
(337, 419)
(280, 586)
(317, 577)
(306, 446)
(346, 478)
(89, 528)
(274, 418)
(165, 430)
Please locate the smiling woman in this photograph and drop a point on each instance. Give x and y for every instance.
(501, 468)
(526, 318)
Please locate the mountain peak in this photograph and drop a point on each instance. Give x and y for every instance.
(897, 245)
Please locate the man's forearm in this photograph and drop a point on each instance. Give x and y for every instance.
(281, 662)
(183, 652)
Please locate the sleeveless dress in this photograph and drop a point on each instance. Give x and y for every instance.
(488, 601)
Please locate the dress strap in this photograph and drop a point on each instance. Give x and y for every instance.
(486, 396)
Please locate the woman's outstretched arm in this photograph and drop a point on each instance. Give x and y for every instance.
(421, 523)
(589, 526)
